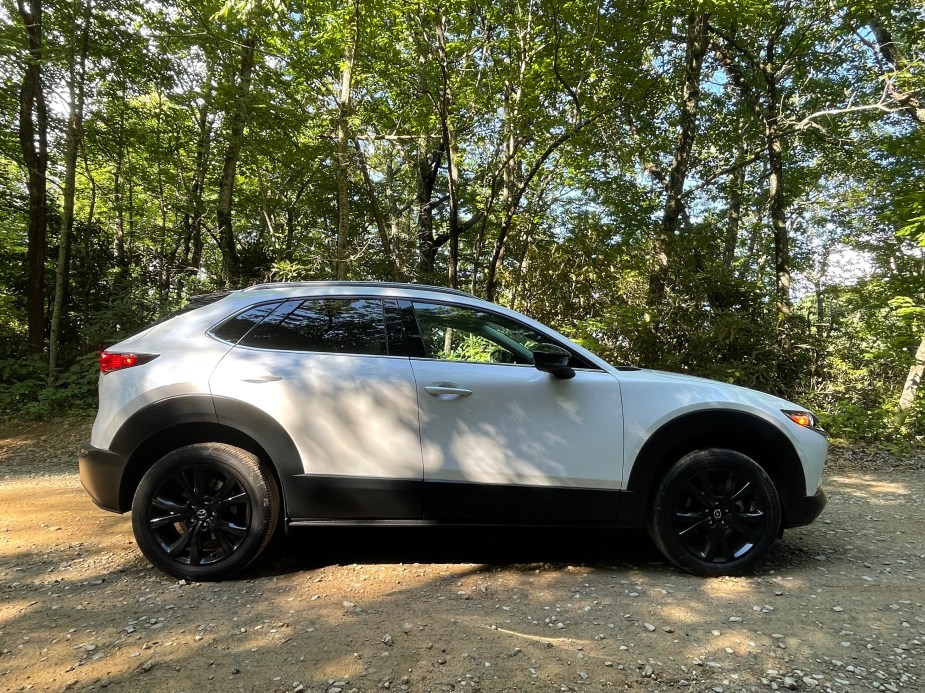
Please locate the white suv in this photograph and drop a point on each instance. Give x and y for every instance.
(342, 402)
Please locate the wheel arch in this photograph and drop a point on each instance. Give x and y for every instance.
(155, 430)
(730, 429)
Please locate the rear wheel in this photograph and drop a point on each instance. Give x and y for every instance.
(205, 511)
(716, 512)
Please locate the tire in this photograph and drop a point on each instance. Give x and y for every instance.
(716, 512)
(205, 511)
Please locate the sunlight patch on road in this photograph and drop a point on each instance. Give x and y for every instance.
(875, 491)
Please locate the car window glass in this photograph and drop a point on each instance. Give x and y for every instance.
(453, 333)
(394, 327)
(239, 325)
(332, 325)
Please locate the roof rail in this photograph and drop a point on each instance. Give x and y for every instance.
(368, 284)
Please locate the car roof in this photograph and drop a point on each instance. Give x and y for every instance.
(408, 286)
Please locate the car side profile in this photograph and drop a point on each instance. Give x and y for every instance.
(325, 403)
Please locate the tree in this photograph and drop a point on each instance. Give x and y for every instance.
(33, 140)
(77, 75)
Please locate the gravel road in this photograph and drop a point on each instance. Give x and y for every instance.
(837, 607)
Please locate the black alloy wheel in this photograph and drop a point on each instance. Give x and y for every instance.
(205, 511)
(716, 512)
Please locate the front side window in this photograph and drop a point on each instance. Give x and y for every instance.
(454, 333)
(328, 325)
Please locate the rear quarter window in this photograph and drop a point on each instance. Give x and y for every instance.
(235, 327)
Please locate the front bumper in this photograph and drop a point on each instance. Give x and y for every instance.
(804, 510)
(101, 475)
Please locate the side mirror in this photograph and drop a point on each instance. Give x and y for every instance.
(552, 359)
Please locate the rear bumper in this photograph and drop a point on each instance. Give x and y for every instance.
(804, 510)
(101, 475)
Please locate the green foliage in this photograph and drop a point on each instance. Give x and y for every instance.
(562, 120)
(24, 386)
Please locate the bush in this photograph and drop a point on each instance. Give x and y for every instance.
(24, 387)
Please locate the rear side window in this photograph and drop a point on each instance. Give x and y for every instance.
(239, 325)
(327, 325)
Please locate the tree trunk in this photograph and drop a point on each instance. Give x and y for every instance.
(897, 62)
(777, 209)
(231, 265)
(76, 84)
(387, 254)
(913, 381)
(344, 111)
(766, 105)
(449, 145)
(516, 197)
(192, 218)
(697, 46)
(734, 190)
(428, 167)
(118, 202)
(395, 214)
(33, 141)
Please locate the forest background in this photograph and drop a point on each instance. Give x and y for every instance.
(727, 188)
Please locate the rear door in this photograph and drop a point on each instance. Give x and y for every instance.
(326, 370)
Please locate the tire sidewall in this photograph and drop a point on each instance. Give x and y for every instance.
(227, 459)
(661, 522)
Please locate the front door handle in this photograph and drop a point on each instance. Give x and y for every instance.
(263, 379)
(446, 391)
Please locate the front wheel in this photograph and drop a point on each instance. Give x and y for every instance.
(205, 511)
(716, 512)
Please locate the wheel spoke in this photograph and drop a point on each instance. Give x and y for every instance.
(195, 549)
(222, 537)
(741, 523)
(158, 522)
(690, 515)
(714, 540)
(231, 528)
(738, 494)
(728, 484)
(697, 525)
(700, 491)
(728, 553)
(182, 542)
(237, 499)
(168, 505)
(180, 478)
(753, 517)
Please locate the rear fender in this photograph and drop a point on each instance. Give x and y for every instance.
(152, 432)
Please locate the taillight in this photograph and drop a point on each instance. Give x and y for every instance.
(110, 361)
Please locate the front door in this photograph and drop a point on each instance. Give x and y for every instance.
(504, 442)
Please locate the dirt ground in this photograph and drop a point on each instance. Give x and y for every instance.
(837, 607)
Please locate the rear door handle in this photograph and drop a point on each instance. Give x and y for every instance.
(446, 391)
(263, 379)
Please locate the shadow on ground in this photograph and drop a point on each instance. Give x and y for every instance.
(309, 548)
